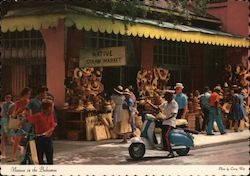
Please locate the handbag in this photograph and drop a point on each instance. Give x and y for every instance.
(90, 124)
(33, 151)
(13, 123)
(100, 132)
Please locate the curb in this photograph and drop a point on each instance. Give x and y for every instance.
(220, 143)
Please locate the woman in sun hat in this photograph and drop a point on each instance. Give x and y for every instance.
(117, 98)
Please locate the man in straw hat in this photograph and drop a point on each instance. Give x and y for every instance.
(170, 110)
(181, 100)
(215, 111)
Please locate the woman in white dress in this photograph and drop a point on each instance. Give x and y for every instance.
(118, 99)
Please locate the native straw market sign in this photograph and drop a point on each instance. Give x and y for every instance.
(103, 57)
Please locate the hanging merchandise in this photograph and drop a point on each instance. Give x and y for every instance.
(153, 81)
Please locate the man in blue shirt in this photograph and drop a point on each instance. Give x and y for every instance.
(204, 100)
(35, 104)
(181, 100)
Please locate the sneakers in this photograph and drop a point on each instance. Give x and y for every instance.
(171, 155)
(210, 134)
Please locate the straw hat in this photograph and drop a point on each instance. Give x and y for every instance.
(126, 92)
(77, 73)
(119, 89)
(86, 72)
(179, 85)
(95, 86)
(90, 107)
(108, 107)
(66, 105)
(226, 107)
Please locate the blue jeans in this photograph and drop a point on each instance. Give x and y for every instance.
(215, 114)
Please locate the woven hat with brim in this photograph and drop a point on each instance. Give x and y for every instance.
(77, 73)
(126, 92)
(179, 85)
(90, 107)
(119, 89)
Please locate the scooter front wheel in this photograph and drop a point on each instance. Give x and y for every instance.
(183, 152)
(136, 151)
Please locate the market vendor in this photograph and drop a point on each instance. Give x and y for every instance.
(169, 108)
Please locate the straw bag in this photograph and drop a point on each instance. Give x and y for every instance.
(13, 123)
(33, 152)
(215, 127)
(90, 124)
(100, 132)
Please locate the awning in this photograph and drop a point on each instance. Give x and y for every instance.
(98, 21)
(152, 29)
(28, 23)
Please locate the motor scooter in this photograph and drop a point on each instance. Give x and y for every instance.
(180, 138)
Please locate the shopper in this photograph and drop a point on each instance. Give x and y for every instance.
(127, 122)
(215, 112)
(6, 106)
(18, 111)
(205, 106)
(44, 126)
(237, 111)
(181, 100)
(117, 99)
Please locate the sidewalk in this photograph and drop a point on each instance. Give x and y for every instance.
(112, 151)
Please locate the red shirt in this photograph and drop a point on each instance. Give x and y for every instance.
(20, 105)
(41, 122)
(215, 97)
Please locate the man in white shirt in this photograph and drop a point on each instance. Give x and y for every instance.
(170, 109)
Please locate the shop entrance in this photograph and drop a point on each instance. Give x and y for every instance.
(114, 76)
(111, 78)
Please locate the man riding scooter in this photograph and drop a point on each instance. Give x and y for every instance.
(170, 109)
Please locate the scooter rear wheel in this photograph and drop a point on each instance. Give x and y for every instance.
(136, 151)
(183, 152)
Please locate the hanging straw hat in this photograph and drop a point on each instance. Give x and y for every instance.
(126, 92)
(77, 73)
(90, 107)
(86, 72)
(119, 89)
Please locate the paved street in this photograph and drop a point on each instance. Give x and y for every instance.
(118, 154)
(207, 151)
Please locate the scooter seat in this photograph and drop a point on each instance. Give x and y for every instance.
(179, 131)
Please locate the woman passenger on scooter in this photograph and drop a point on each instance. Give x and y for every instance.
(170, 109)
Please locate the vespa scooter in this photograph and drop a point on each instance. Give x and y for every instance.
(180, 139)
